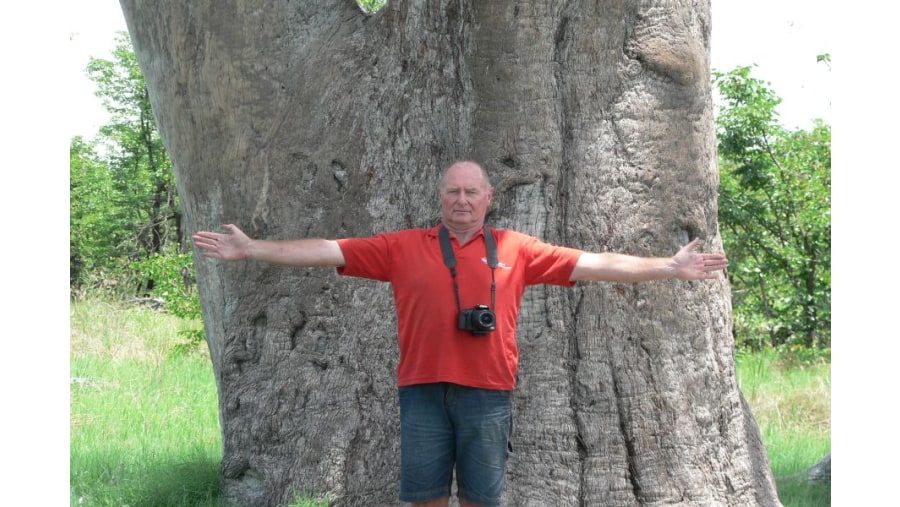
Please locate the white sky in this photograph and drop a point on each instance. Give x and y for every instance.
(782, 37)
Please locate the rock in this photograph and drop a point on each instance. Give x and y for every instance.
(821, 471)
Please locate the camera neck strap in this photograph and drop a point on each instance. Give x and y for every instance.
(450, 261)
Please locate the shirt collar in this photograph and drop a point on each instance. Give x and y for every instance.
(433, 232)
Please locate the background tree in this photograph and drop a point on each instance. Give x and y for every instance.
(123, 200)
(95, 227)
(142, 172)
(595, 120)
(775, 212)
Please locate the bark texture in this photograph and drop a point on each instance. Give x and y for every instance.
(310, 119)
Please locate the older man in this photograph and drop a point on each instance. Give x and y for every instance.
(457, 287)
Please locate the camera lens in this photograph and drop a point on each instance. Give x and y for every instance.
(486, 319)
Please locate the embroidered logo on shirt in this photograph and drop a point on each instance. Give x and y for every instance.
(500, 264)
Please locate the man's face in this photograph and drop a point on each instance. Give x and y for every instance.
(465, 196)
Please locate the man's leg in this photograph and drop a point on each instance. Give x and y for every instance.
(482, 421)
(426, 445)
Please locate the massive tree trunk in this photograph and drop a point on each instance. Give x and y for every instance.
(595, 120)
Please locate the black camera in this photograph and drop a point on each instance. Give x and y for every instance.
(480, 320)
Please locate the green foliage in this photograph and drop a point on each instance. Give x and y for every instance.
(98, 229)
(371, 6)
(775, 217)
(173, 282)
(125, 216)
(123, 199)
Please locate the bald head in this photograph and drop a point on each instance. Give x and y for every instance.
(466, 166)
(465, 194)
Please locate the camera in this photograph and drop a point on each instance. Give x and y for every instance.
(480, 320)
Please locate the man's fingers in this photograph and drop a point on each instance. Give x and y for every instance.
(693, 244)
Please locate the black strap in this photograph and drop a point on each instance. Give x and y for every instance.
(447, 250)
(491, 249)
(450, 261)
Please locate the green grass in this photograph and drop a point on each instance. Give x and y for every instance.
(791, 401)
(144, 428)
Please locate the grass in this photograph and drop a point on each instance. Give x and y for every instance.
(791, 401)
(144, 428)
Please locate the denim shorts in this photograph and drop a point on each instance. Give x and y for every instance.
(443, 426)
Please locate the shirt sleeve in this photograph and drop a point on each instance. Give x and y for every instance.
(366, 257)
(548, 264)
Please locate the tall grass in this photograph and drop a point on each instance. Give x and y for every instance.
(790, 396)
(144, 428)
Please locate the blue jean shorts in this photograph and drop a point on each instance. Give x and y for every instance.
(445, 426)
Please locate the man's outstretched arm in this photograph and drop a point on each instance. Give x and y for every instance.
(234, 245)
(684, 265)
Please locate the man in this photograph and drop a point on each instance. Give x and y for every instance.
(457, 288)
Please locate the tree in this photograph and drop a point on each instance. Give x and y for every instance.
(123, 202)
(95, 234)
(142, 171)
(775, 210)
(595, 120)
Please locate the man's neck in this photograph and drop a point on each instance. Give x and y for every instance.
(463, 235)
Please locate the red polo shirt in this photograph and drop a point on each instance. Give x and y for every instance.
(432, 348)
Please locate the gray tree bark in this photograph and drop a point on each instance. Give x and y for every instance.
(310, 119)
